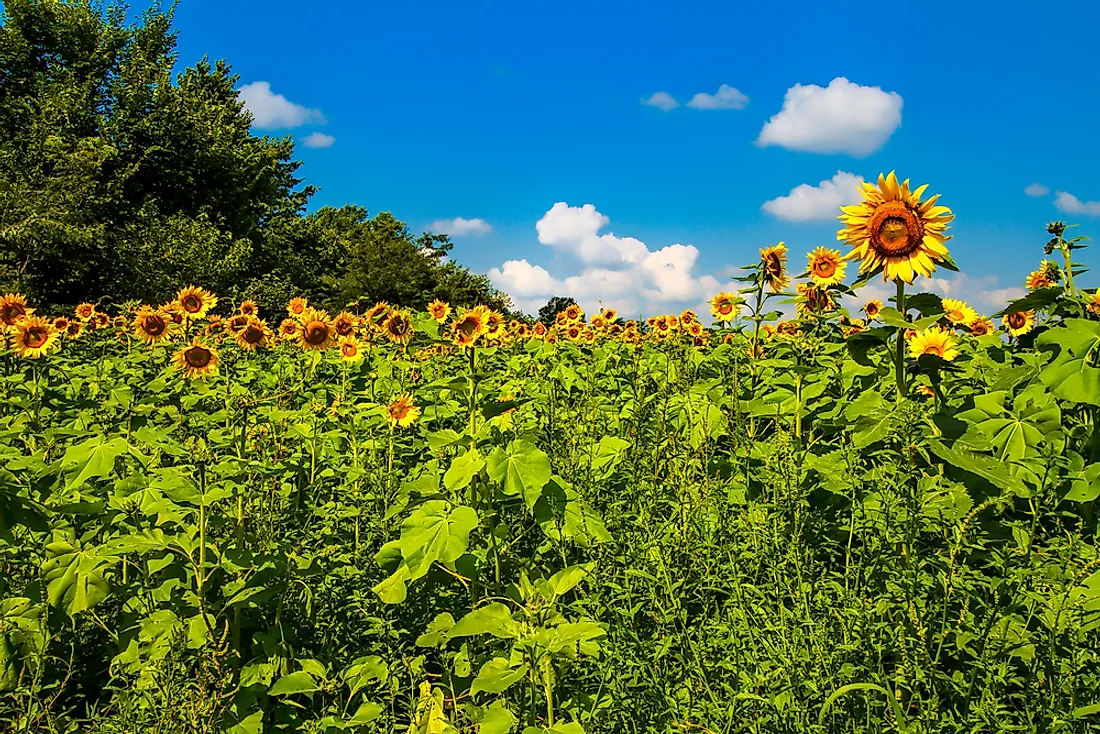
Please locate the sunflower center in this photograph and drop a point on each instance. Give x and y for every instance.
(35, 337)
(191, 304)
(467, 327)
(398, 411)
(895, 230)
(935, 349)
(348, 350)
(773, 265)
(316, 333)
(1017, 320)
(252, 335)
(12, 313)
(825, 268)
(154, 325)
(197, 357)
(725, 308)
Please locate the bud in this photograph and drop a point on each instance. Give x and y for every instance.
(1056, 228)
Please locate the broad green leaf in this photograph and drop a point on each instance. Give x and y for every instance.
(297, 682)
(1072, 374)
(463, 469)
(74, 577)
(435, 531)
(522, 469)
(1085, 486)
(496, 720)
(492, 619)
(92, 459)
(981, 465)
(609, 454)
(497, 675)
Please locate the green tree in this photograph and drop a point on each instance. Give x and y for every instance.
(553, 307)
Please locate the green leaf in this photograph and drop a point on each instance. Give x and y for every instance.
(463, 469)
(980, 465)
(74, 577)
(1037, 299)
(436, 634)
(435, 531)
(1071, 375)
(567, 578)
(521, 469)
(492, 619)
(367, 712)
(92, 459)
(497, 675)
(610, 452)
(297, 682)
(1085, 486)
(496, 720)
(392, 589)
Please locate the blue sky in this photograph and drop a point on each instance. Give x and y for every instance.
(498, 111)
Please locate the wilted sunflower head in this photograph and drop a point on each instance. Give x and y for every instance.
(316, 331)
(84, 311)
(254, 334)
(773, 267)
(344, 323)
(724, 306)
(13, 307)
(610, 315)
(933, 341)
(289, 328)
(1019, 323)
(826, 266)
(439, 310)
(958, 312)
(296, 307)
(196, 359)
(872, 308)
(151, 326)
(33, 336)
(195, 302)
(247, 307)
(981, 326)
(398, 327)
(402, 412)
(350, 349)
(812, 299)
(893, 229)
(573, 312)
(471, 324)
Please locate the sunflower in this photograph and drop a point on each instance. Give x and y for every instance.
(724, 306)
(598, 322)
(398, 327)
(84, 311)
(33, 336)
(695, 328)
(573, 332)
(402, 411)
(494, 324)
(196, 359)
(872, 308)
(588, 335)
(688, 317)
(673, 321)
(350, 349)
(289, 328)
(1051, 270)
(573, 312)
(214, 324)
(171, 309)
(1019, 323)
(893, 229)
(151, 325)
(247, 307)
(466, 329)
(539, 329)
(561, 319)
(344, 323)
(75, 329)
(1094, 304)
(374, 315)
(316, 331)
(61, 324)
(439, 310)
(826, 266)
(610, 315)
(854, 326)
(981, 326)
(1038, 279)
(615, 330)
(788, 328)
(957, 312)
(663, 326)
(773, 266)
(254, 334)
(235, 323)
(13, 307)
(813, 299)
(196, 302)
(119, 322)
(933, 341)
(297, 307)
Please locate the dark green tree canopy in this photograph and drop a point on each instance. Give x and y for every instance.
(553, 307)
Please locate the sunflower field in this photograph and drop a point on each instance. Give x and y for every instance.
(433, 520)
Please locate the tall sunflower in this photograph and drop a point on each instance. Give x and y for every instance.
(398, 327)
(350, 350)
(254, 335)
(344, 323)
(402, 412)
(470, 325)
(1038, 279)
(297, 307)
(1019, 323)
(610, 315)
(84, 311)
(196, 302)
(933, 341)
(893, 229)
(813, 299)
(981, 326)
(773, 265)
(573, 312)
(196, 359)
(152, 326)
(439, 310)
(33, 336)
(13, 308)
(247, 307)
(316, 331)
(724, 306)
(598, 322)
(958, 312)
(289, 328)
(826, 266)
(688, 317)
(872, 308)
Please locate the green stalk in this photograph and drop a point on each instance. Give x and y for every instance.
(899, 358)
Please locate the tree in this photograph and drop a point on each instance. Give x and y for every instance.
(557, 304)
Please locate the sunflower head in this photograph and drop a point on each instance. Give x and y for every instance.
(344, 323)
(439, 310)
(402, 412)
(376, 314)
(1019, 323)
(195, 302)
(773, 267)
(289, 328)
(687, 318)
(84, 311)
(316, 331)
(724, 306)
(539, 329)
(150, 325)
(695, 329)
(933, 341)
(254, 335)
(75, 329)
(494, 324)
(247, 307)
(13, 308)
(981, 326)
(398, 327)
(1037, 279)
(958, 312)
(894, 230)
(471, 324)
(573, 332)
(573, 312)
(788, 328)
(296, 307)
(872, 308)
(350, 349)
(196, 359)
(33, 336)
(235, 323)
(826, 267)
(598, 321)
(610, 315)
(813, 299)
(61, 324)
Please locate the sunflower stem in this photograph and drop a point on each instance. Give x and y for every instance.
(899, 357)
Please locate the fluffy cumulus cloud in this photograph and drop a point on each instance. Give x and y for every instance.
(662, 101)
(460, 227)
(271, 111)
(318, 140)
(1070, 204)
(617, 272)
(808, 203)
(726, 98)
(1036, 189)
(984, 293)
(843, 117)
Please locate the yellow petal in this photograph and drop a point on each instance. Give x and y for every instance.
(891, 187)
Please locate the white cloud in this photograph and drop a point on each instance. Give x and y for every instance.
(318, 140)
(617, 272)
(983, 293)
(808, 203)
(662, 100)
(460, 226)
(272, 111)
(1070, 204)
(841, 118)
(726, 98)
(1036, 189)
